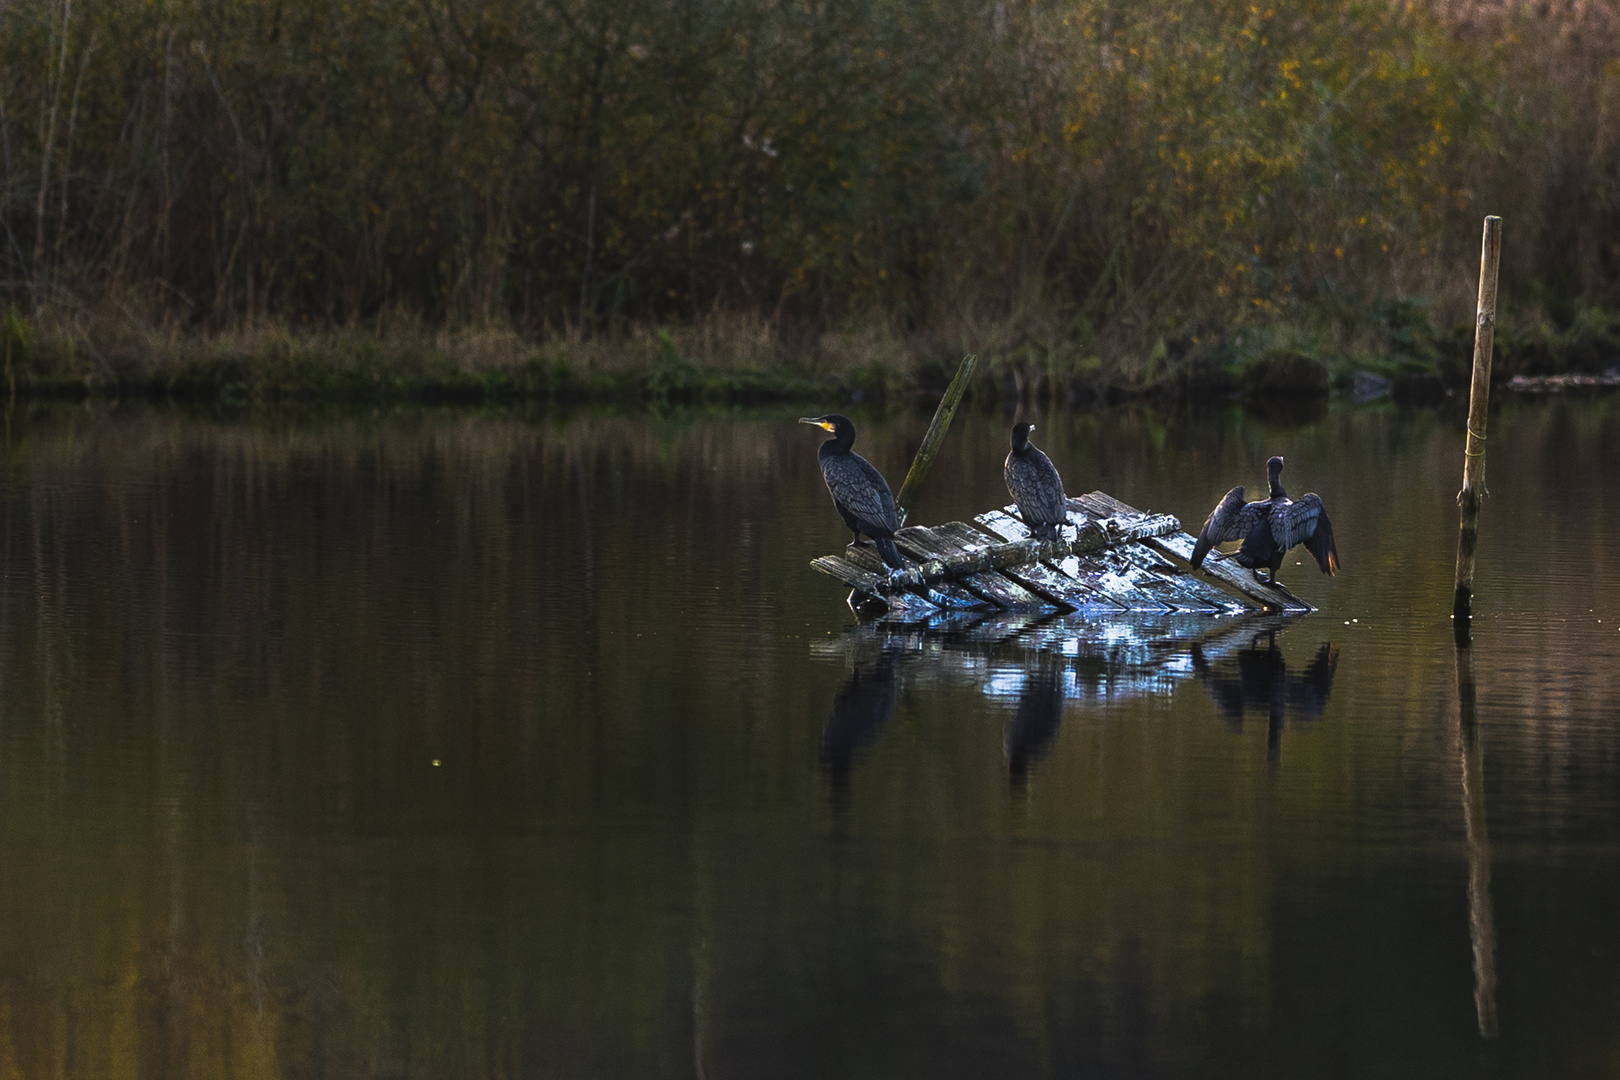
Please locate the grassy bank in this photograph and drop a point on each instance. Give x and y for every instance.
(745, 362)
(1087, 192)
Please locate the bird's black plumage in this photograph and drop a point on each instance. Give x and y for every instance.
(1270, 527)
(1035, 485)
(859, 492)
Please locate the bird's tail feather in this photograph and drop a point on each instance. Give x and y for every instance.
(890, 553)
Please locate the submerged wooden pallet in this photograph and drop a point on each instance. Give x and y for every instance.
(1112, 557)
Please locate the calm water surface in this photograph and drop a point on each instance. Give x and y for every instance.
(461, 745)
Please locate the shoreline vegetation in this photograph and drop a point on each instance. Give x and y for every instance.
(684, 366)
(753, 200)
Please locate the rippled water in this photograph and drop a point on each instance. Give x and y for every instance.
(455, 744)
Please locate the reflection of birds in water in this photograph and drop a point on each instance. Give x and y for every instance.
(1259, 678)
(1270, 527)
(1035, 485)
(1034, 727)
(859, 712)
(858, 490)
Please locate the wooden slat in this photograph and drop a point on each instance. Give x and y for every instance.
(1100, 504)
(866, 560)
(1240, 579)
(847, 572)
(1237, 577)
(1194, 595)
(1044, 577)
(944, 593)
(1107, 574)
(932, 544)
(971, 540)
(1113, 557)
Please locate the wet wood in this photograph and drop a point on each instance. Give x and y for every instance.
(1099, 574)
(1112, 558)
(937, 544)
(1473, 486)
(972, 540)
(1239, 579)
(863, 571)
(1043, 577)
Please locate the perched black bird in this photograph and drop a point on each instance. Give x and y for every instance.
(1270, 527)
(1035, 485)
(859, 491)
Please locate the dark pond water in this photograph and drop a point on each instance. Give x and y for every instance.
(462, 745)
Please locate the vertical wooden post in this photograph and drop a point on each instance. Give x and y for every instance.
(936, 432)
(1479, 396)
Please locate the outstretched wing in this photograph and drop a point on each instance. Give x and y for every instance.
(1306, 522)
(1232, 519)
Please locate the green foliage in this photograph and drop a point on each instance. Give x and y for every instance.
(15, 346)
(1081, 177)
(672, 375)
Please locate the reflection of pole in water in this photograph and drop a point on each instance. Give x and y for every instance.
(1481, 923)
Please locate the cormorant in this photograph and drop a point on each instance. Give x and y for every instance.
(1035, 485)
(1270, 527)
(859, 491)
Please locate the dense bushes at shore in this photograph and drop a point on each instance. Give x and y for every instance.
(1132, 195)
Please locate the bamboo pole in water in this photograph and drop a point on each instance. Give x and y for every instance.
(1473, 489)
(936, 432)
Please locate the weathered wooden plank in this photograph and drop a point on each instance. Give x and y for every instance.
(937, 586)
(1237, 577)
(1100, 504)
(1043, 577)
(1193, 594)
(937, 545)
(862, 569)
(1110, 576)
(847, 572)
(870, 579)
(1097, 563)
(972, 541)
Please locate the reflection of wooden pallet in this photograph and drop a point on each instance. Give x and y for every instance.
(1112, 557)
(1093, 654)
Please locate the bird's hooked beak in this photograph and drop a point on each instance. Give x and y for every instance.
(816, 421)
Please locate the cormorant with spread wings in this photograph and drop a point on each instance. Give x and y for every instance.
(1270, 527)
